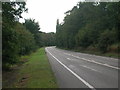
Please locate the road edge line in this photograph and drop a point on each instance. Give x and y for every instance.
(85, 82)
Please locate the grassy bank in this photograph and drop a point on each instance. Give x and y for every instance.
(35, 72)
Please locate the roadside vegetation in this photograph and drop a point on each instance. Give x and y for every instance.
(20, 39)
(35, 72)
(91, 28)
(88, 27)
(24, 40)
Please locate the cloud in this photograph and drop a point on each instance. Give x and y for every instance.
(46, 12)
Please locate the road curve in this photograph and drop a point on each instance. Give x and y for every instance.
(79, 70)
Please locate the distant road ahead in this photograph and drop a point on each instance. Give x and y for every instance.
(79, 70)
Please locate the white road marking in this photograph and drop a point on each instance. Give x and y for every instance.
(67, 53)
(107, 57)
(101, 56)
(97, 56)
(85, 82)
(89, 68)
(72, 59)
(73, 67)
(68, 58)
(94, 61)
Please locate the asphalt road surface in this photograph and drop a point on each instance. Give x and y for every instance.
(79, 70)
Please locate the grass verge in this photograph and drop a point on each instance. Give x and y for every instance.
(36, 72)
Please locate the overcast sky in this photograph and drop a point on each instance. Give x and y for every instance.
(46, 12)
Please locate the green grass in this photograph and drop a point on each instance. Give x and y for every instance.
(36, 72)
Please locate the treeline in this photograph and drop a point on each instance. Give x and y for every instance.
(20, 38)
(90, 26)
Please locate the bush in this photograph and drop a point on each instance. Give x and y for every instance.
(106, 38)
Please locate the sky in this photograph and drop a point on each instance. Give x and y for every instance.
(46, 12)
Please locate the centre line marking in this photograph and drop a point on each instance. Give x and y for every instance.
(96, 62)
(85, 82)
(89, 68)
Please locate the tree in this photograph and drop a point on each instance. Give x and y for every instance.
(10, 14)
(48, 39)
(89, 25)
(26, 40)
(107, 38)
(34, 28)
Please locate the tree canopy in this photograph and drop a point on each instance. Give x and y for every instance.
(20, 38)
(89, 25)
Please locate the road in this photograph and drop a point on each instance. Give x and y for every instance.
(79, 70)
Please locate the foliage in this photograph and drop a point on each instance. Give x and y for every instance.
(10, 41)
(47, 39)
(106, 39)
(34, 28)
(89, 24)
(20, 39)
(41, 38)
(26, 40)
